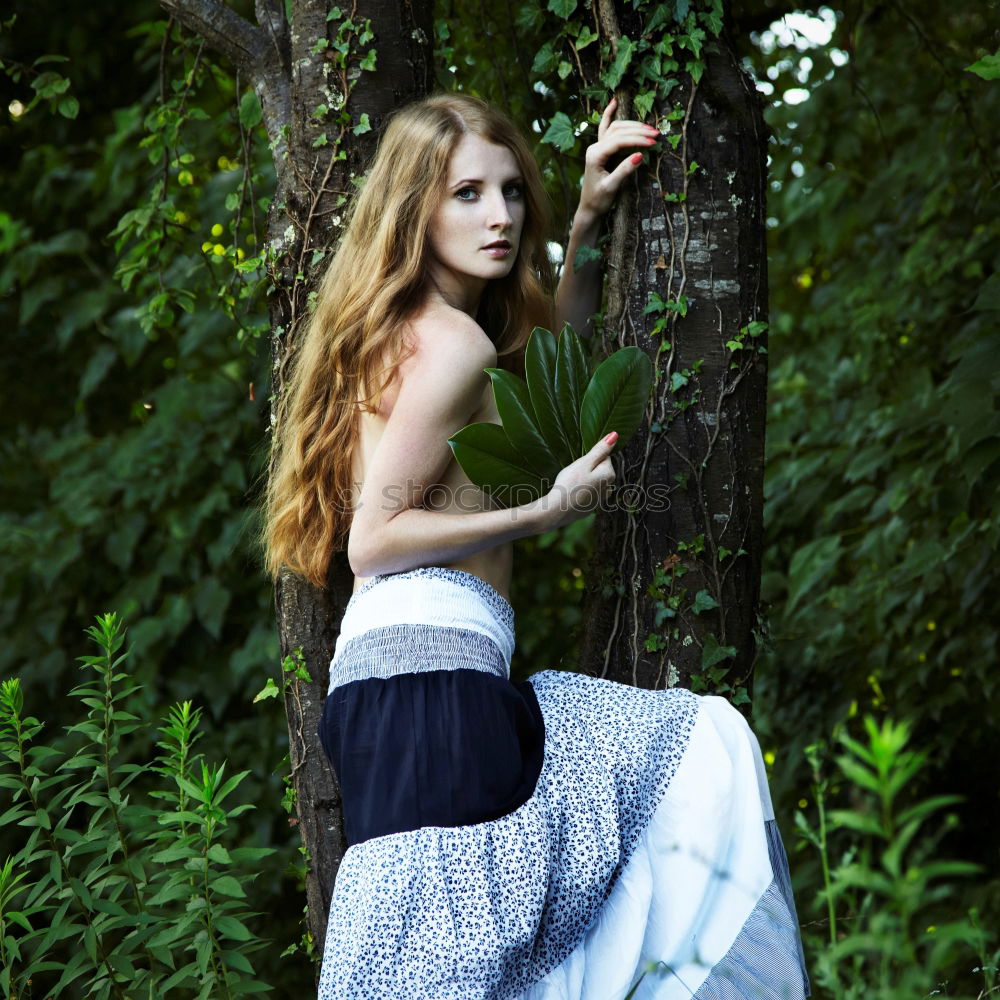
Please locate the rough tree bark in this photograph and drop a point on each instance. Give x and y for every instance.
(294, 69)
(674, 586)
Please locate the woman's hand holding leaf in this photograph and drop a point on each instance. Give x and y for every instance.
(581, 486)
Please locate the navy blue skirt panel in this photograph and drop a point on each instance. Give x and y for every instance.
(441, 748)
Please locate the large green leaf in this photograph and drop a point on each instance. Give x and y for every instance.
(616, 397)
(540, 369)
(518, 418)
(570, 385)
(488, 458)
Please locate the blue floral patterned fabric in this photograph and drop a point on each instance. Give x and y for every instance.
(508, 841)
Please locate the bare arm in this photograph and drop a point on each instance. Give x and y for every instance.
(578, 296)
(441, 387)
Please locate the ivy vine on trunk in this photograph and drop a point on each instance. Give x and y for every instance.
(674, 584)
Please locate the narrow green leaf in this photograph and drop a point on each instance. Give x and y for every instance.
(513, 402)
(219, 855)
(540, 358)
(228, 886)
(571, 376)
(233, 929)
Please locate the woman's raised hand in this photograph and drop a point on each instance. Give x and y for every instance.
(581, 486)
(599, 184)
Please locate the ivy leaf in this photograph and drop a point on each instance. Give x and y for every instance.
(545, 59)
(703, 601)
(644, 103)
(560, 132)
(681, 8)
(585, 37)
(269, 690)
(562, 8)
(364, 125)
(623, 57)
(712, 653)
(250, 111)
(988, 67)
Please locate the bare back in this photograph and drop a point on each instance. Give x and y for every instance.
(451, 491)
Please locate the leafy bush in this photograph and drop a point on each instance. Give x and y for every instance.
(128, 883)
(885, 893)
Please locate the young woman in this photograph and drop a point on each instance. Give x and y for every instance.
(545, 840)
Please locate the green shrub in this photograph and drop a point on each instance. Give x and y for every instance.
(126, 884)
(886, 895)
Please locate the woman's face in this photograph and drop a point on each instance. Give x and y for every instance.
(475, 233)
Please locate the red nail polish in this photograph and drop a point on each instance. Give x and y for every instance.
(636, 157)
(611, 438)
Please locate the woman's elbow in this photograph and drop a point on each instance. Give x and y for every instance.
(359, 554)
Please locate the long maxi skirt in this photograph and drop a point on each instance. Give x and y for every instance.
(558, 839)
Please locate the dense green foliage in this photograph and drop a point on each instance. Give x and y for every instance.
(131, 435)
(884, 431)
(153, 883)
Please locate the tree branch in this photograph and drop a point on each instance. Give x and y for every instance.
(225, 31)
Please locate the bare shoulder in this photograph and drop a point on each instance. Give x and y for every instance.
(447, 341)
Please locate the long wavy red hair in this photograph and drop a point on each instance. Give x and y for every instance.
(354, 341)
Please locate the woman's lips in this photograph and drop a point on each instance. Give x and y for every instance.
(498, 250)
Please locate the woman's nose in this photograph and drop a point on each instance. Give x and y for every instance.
(500, 217)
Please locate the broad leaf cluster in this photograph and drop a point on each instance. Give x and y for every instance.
(554, 417)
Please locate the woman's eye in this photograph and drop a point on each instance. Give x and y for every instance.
(512, 191)
(466, 194)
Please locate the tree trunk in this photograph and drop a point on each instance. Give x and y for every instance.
(674, 585)
(297, 70)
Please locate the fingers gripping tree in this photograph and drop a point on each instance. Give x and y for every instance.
(674, 586)
(327, 77)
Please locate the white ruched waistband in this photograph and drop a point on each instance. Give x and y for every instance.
(436, 596)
